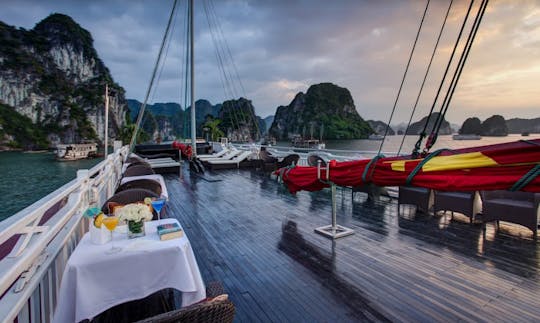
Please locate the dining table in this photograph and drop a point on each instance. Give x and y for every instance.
(94, 280)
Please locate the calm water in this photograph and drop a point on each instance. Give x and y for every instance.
(28, 177)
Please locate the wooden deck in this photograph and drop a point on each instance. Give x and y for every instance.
(248, 232)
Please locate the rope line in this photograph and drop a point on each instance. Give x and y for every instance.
(423, 133)
(425, 75)
(404, 75)
(143, 107)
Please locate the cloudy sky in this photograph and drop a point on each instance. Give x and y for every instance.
(282, 47)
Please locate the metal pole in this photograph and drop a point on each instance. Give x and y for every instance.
(334, 207)
(192, 64)
(106, 146)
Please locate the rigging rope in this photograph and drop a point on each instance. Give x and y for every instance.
(456, 76)
(425, 75)
(143, 107)
(416, 149)
(225, 58)
(404, 76)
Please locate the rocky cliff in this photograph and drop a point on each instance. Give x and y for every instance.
(323, 105)
(517, 125)
(417, 127)
(53, 76)
(239, 122)
(379, 127)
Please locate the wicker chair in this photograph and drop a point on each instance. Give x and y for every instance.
(268, 162)
(134, 159)
(148, 184)
(139, 163)
(206, 311)
(313, 160)
(129, 196)
(418, 196)
(462, 202)
(289, 160)
(515, 207)
(138, 170)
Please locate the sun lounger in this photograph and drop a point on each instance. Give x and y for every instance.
(228, 156)
(230, 163)
(216, 155)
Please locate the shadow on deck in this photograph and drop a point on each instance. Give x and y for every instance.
(249, 233)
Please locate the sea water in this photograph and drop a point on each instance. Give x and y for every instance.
(28, 177)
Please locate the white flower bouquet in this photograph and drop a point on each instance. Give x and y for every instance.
(133, 212)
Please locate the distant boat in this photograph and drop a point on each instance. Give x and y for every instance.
(466, 137)
(375, 136)
(525, 133)
(300, 142)
(65, 152)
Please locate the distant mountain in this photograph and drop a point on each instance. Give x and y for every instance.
(417, 127)
(379, 127)
(204, 108)
(157, 109)
(53, 76)
(324, 104)
(517, 125)
(494, 126)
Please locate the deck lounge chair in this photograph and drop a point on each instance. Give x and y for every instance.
(216, 155)
(230, 163)
(461, 202)
(420, 197)
(516, 207)
(229, 155)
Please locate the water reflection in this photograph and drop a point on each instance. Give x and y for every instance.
(322, 263)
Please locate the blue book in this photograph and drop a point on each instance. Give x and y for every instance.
(169, 231)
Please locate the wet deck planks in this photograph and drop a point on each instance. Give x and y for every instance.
(249, 233)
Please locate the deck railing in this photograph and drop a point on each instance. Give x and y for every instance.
(39, 240)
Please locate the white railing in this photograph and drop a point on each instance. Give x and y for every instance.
(30, 275)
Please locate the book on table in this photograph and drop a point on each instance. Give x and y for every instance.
(169, 231)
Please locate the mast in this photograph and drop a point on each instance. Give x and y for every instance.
(192, 64)
(106, 121)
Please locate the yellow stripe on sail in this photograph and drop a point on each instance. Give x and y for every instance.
(452, 162)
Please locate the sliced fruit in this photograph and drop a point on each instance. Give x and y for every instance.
(98, 220)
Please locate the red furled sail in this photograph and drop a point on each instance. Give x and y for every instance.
(514, 165)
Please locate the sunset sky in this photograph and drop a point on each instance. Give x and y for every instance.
(282, 47)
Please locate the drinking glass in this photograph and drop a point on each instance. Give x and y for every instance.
(110, 223)
(157, 204)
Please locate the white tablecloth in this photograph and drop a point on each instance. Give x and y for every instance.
(94, 281)
(155, 177)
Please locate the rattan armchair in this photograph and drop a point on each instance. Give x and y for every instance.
(421, 197)
(128, 196)
(148, 184)
(516, 207)
(289, 160)
(138, 170)
(461, 202)
(221, 310)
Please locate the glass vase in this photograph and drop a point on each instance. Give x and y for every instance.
(135, 229)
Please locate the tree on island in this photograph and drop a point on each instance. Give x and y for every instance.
(471, 126)
(494, 126)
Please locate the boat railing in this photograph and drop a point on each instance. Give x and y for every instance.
(328, 154)
(37, 241)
